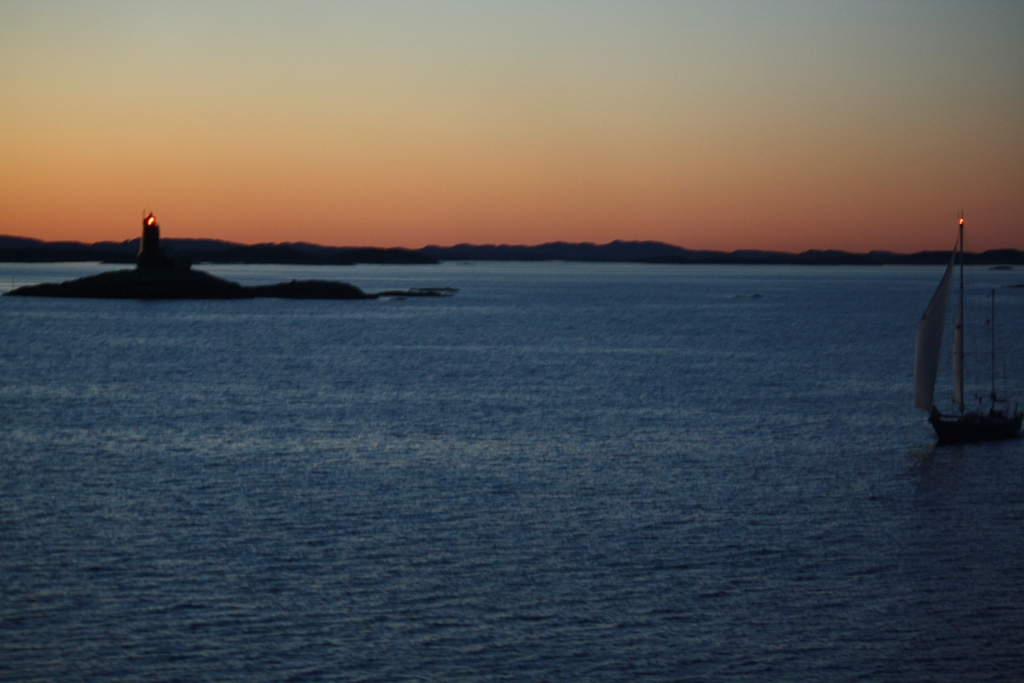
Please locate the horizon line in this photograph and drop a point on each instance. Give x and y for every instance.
(506, 245)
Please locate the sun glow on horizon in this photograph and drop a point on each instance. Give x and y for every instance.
(705, 125)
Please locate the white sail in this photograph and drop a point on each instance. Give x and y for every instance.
(928, 347)
(958, 358)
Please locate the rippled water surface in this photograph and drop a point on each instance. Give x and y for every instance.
(564, 472)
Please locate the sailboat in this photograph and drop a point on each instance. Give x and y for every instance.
(961, 426)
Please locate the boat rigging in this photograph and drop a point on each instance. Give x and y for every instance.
(963, 426)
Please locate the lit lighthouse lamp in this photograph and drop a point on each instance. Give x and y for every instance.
(151, 255)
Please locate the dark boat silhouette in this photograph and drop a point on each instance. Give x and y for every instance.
(999, 422)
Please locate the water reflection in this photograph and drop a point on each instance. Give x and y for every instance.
(937, 467)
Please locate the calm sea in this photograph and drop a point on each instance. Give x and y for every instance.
(565, 472)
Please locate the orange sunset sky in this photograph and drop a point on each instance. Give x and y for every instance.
(713, 125)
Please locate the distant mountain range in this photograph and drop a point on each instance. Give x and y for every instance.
(21, 249)
(204, 251)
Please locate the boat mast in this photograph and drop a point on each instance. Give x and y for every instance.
(958, 331)
(993, 396)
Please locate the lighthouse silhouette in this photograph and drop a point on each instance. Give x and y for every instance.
(151, 255)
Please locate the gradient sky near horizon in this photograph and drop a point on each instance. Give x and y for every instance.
(714, 125)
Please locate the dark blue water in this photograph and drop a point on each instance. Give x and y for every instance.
(565, 472)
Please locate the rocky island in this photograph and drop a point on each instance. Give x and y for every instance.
(159, 276)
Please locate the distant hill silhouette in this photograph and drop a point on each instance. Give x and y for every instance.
(659, 252)
(204, 251)
(21, 249)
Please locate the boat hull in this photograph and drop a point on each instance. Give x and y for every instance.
(971, 427)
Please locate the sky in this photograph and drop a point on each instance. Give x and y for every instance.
(709, 125)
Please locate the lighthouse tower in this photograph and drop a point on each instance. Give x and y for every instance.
(151, 255)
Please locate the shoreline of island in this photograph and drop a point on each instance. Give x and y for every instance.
(197, 284)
